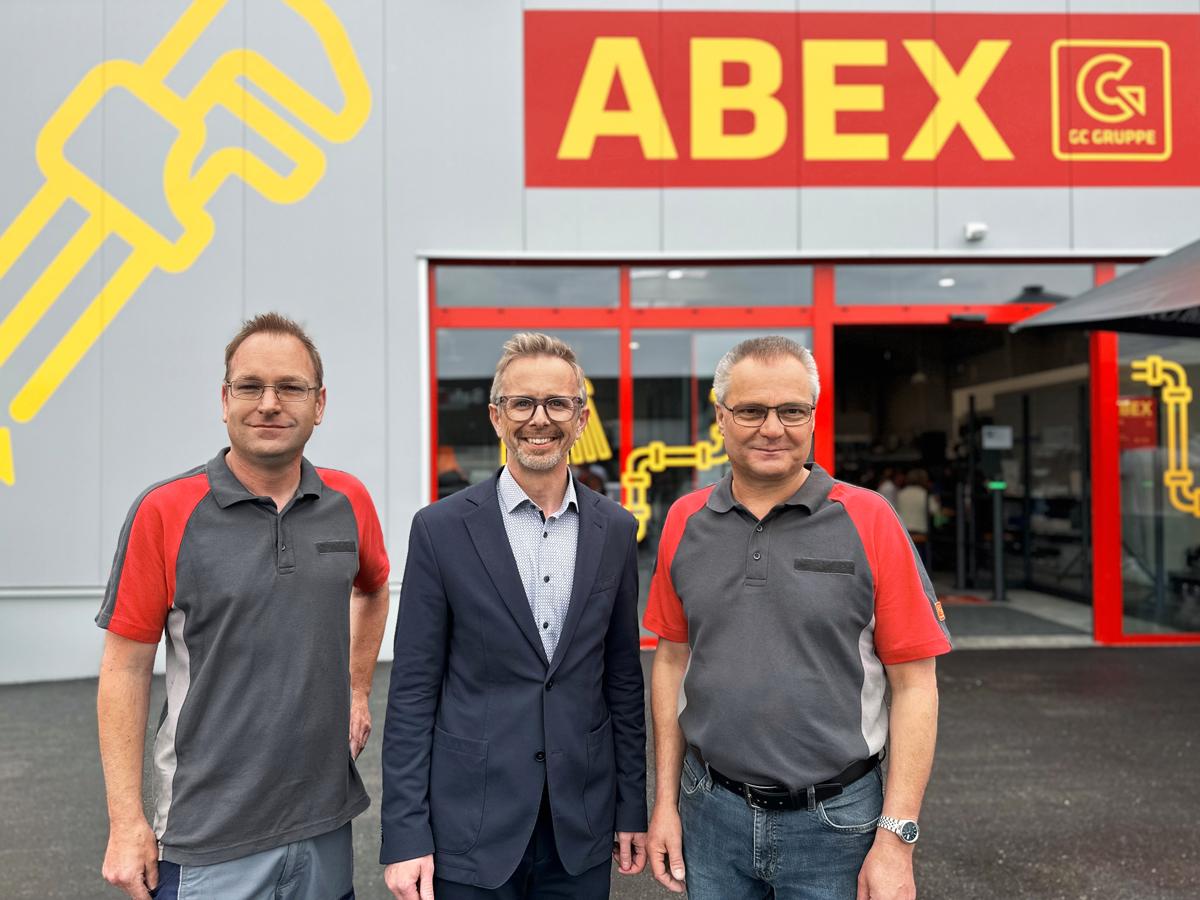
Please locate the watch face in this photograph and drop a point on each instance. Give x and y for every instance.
(909, 832)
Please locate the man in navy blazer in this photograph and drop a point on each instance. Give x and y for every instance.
(514, 760)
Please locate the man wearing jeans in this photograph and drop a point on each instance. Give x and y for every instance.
(790, 601)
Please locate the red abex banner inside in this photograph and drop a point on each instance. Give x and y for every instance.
(699, 99)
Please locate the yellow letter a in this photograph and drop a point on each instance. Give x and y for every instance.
(612, 58)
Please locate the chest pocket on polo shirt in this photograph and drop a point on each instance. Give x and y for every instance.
(826, 566)
(337, 547)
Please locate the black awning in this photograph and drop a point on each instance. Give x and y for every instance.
(1161, 297)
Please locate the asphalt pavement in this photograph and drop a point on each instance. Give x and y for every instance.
(1061, 774)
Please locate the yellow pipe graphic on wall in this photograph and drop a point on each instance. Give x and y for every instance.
(187, 192)
(1171, 379)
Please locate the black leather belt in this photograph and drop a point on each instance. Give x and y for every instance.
(777, 796)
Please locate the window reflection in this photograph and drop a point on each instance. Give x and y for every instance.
(858, 285)
(677, 286)
(527, 286)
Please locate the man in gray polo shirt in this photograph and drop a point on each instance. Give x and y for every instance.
(270, 580)
(790, 601)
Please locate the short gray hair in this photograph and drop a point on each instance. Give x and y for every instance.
(533, 343)
(770, 347)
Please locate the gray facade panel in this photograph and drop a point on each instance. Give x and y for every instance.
(322, 259)
(730, 220)
(56, 462)
(176, 322)
(1017, 219)
(866, 5)
(1152, 220)
(455, 114)
(604, 5)
(866, 220)
(991, 6)
(592, 220)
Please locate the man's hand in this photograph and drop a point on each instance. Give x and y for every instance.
(360, 722)
(887, 872)
(629, 852)
(131, 861)
(665, 843)
(411, 879)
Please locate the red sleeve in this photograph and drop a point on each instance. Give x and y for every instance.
(909, 623)
(373, 564)
(664, 610)
(141, 587)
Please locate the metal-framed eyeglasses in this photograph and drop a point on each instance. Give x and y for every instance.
(754, 415)
(522, 409)
(286, 391)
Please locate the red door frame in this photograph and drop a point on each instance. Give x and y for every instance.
(822, 317)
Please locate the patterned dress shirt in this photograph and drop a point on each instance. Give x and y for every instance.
(544, 548)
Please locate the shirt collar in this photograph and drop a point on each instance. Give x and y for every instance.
(227, 490)
(512, 495)
(809, 495)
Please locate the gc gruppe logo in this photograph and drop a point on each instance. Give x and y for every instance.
(1111, 100)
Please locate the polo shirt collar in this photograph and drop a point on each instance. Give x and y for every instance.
(227, 490)
(512, 495)
(810, 495)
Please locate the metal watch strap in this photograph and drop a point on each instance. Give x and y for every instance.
(896, 827)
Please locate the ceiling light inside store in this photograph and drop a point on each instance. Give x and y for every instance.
(946, 282)
(675, 274)
(634, 345)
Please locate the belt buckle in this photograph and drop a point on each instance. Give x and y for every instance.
(762, 801)
(749, 797)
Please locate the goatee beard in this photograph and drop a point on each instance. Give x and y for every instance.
(539, 463)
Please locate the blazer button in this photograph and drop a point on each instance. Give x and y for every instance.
(550, 684)
(539, 756)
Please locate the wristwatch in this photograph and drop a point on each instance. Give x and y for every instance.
(906, 829)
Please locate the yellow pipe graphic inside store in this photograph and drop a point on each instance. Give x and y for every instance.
(1171, 380)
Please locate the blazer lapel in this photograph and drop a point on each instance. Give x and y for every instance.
(592, 527)
(486, 528)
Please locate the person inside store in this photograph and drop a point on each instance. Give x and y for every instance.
(787, 603)
(917, 508)
(270, 579)
(514, 760)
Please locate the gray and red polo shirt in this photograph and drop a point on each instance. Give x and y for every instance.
(251, 750)
(791, 621)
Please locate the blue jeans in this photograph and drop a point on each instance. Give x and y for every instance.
(733, 852)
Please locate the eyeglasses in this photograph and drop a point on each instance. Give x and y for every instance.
(752, 415)
(522, 409)
(286, 391)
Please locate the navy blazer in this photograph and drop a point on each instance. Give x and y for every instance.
(478, 721)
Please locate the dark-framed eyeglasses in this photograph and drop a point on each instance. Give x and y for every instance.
(754, 415)
(286, 391)
(522, 409)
